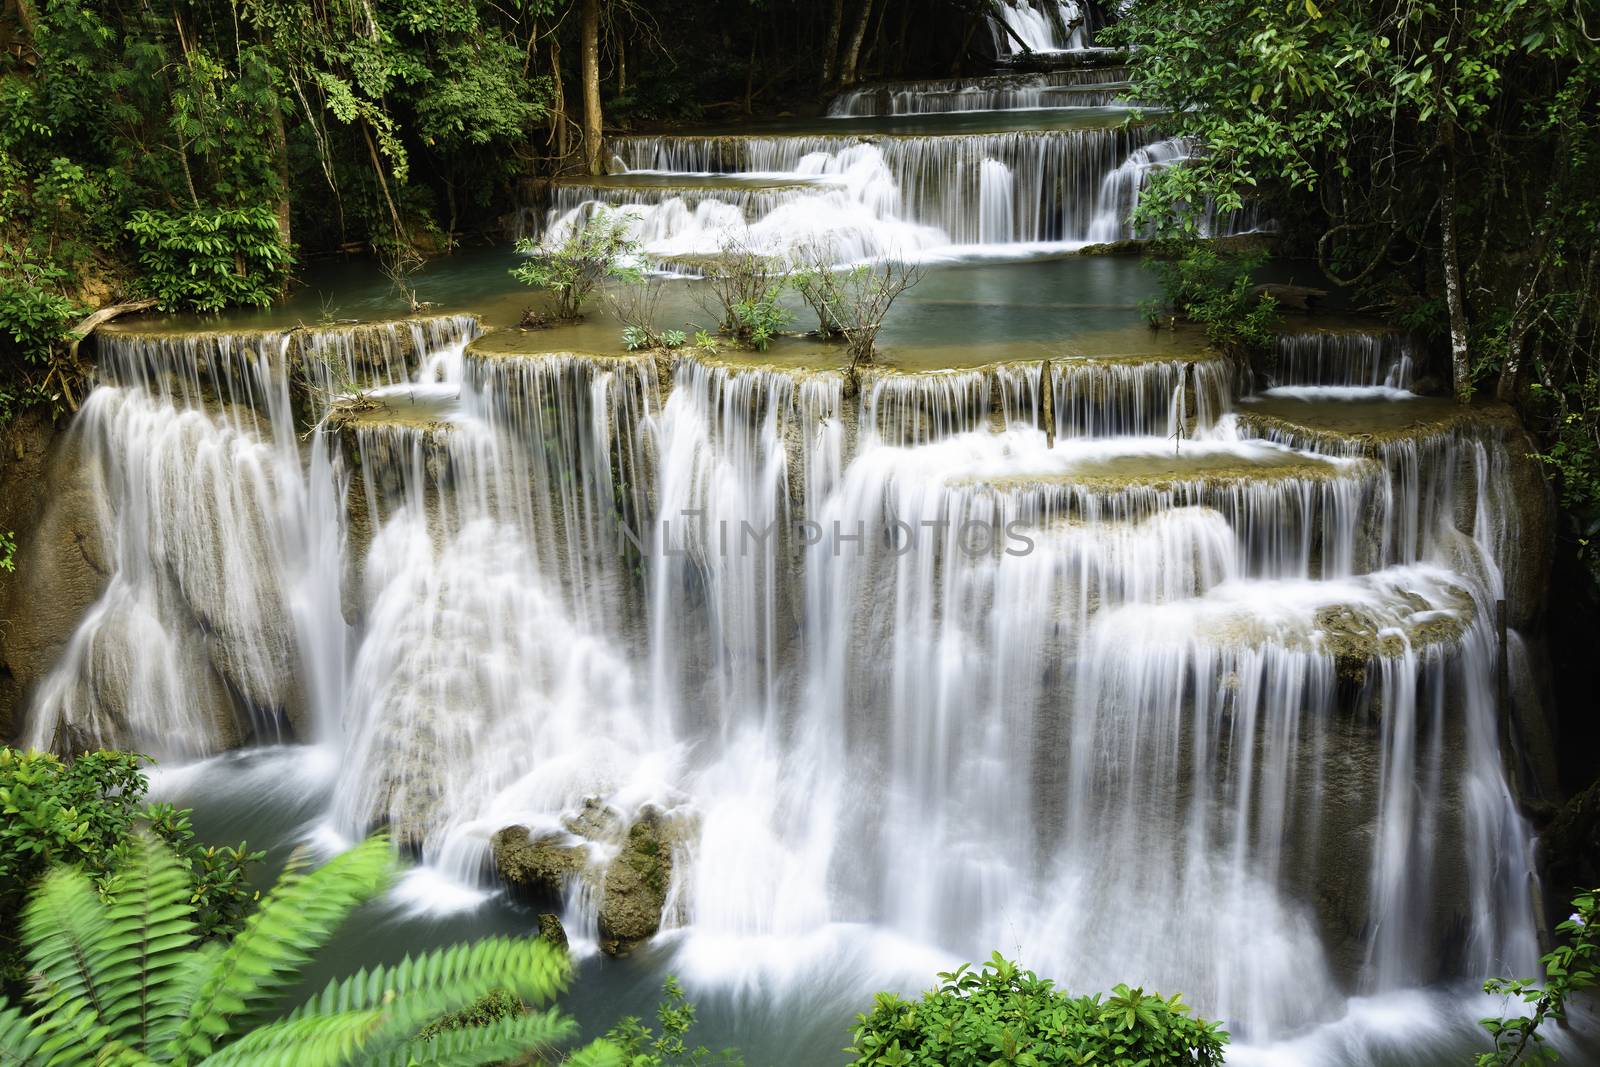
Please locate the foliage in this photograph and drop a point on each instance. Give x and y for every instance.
(1568, 969)
(206, 260)
(743, 291)
(85, 813)
(1216, 290)
(635, 306)
(644, 1046)
(758, 320)
(34, 317)
(1003, 1014)
(851, 302)
(35, 325)
(8, 551)
(596, 249)
(1440, 160)
(127, 976)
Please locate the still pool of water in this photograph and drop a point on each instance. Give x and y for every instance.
(963, 312)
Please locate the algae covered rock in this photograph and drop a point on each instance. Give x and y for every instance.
(636, 885)
(551, 931)
(537, 868)
(627, 865)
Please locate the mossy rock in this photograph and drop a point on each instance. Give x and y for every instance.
(636, 885)
(536, 869)
(551, 930)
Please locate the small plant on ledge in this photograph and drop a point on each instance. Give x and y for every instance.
(595, 250)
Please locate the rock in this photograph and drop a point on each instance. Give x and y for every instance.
(551, 931)
(1527, 567)
(632, 886)
(1569, 848)
(636, 885)
(537, 869)
(596, 821)
(50, 503)
(1291, 297)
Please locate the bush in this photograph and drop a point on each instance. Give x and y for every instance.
(591, 253)
(743, 290)
(85, 813)
(1003, 1014)
(644, 1046)
(851, 302)
(34, 318)
(208, 259)
(35, 326)
(1216, 290)
(1568, 969)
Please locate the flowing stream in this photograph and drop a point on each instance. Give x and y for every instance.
(1077, 652)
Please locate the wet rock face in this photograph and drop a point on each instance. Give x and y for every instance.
(636, 886)
(49, 503)
(633, 884)
(537, 869)
(1527, 570)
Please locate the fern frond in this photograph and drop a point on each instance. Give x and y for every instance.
(153, 935)
(531, 969)
(67, 931)
(495, 1042)
(19, 1041)
(315, 1041)
(179, 991)
(295, 918)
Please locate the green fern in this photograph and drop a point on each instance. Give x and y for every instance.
(123, 979)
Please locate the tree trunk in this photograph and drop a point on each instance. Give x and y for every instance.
(830, 50)
(1455, 299)
(591, 85)
(852, 54)
(558, 106)
(280, 163)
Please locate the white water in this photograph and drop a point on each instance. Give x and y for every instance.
(1068, 662)
(1041, 26)
(1094, 87)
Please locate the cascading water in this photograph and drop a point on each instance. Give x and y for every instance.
(1044, 26)
(1072, 656)
(1122, 188)
(1092, 87)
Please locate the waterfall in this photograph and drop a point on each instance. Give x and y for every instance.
(846, 199)
(1350, 357)
(906, 191)
(995, 203)
(224, 543)
(1043, 26)
(1123, 186)
(1080, 653)
(1094, 87)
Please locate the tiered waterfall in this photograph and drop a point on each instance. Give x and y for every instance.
(1091, 658)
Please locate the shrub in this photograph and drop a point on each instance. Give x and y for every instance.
(208, 259)
(594, 251)
(1568, 969)
(743, 290)
(644, 1046)
(634, 305)
(1003, 1014)
(851, 302)
(1216, 291)
(85, 813)
(34, 318)
(126, 979)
